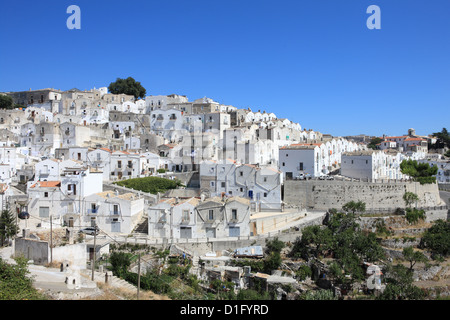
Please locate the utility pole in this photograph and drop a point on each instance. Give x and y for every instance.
(93, 261)
(139, 275)
(51, 239)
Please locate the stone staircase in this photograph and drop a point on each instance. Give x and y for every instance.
(114, 281)
(142, 227)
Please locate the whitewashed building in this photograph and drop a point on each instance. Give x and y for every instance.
(113, 213)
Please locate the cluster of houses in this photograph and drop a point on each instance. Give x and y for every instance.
(61, 148)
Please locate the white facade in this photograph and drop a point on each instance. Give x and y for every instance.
(373, 165)
(315, 159)
(167, 123)
(101, 160)
(261, 185)
(51, 169)
(191, 218)
(112, 212)
(125, 165)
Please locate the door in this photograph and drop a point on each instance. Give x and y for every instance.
(210, 232)
(235, 232)
(185, 233)
(91, 254)
(115, 226)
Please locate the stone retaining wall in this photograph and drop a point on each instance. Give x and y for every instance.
(324, 195)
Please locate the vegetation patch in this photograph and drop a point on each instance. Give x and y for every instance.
(151, 185)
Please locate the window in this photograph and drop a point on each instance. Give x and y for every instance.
(222, 184)
(72, 189)
(119, 164)
(265, 194)
(212, 183)
(45, 194)
(211, 215)
(241, 173)
(44, 212)
(284, 164)
(234, 214)
(185, 216)
(301, 166)
(265, 179)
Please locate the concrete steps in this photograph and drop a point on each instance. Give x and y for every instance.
(114, 281)
(142, 227)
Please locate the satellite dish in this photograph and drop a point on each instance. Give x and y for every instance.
(24, 215)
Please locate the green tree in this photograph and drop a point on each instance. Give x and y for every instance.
(373, 143)
(437, 238)
(272, 262)
(400, 285)
(6, 102)
(274, 245)
(354, 206)
(410, 198)
(120, 262)
(413, 215)
(443, 139)
(413, 257)
(313, 242)
(421, 172)
(303, 272)
(15, 282)
(8, 226)
(127, 86)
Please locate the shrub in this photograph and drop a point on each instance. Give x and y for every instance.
(303, 272)
(150, 184)
(413, 215)
(15, 284)
(437, 238)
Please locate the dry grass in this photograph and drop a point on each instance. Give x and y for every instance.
(114, 293)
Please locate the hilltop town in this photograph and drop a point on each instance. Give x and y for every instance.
(236, 186)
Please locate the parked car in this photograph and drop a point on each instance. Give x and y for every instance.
(330, 178)
(90, 230)
(303, 176)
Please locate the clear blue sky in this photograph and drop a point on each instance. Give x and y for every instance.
(312, 61)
